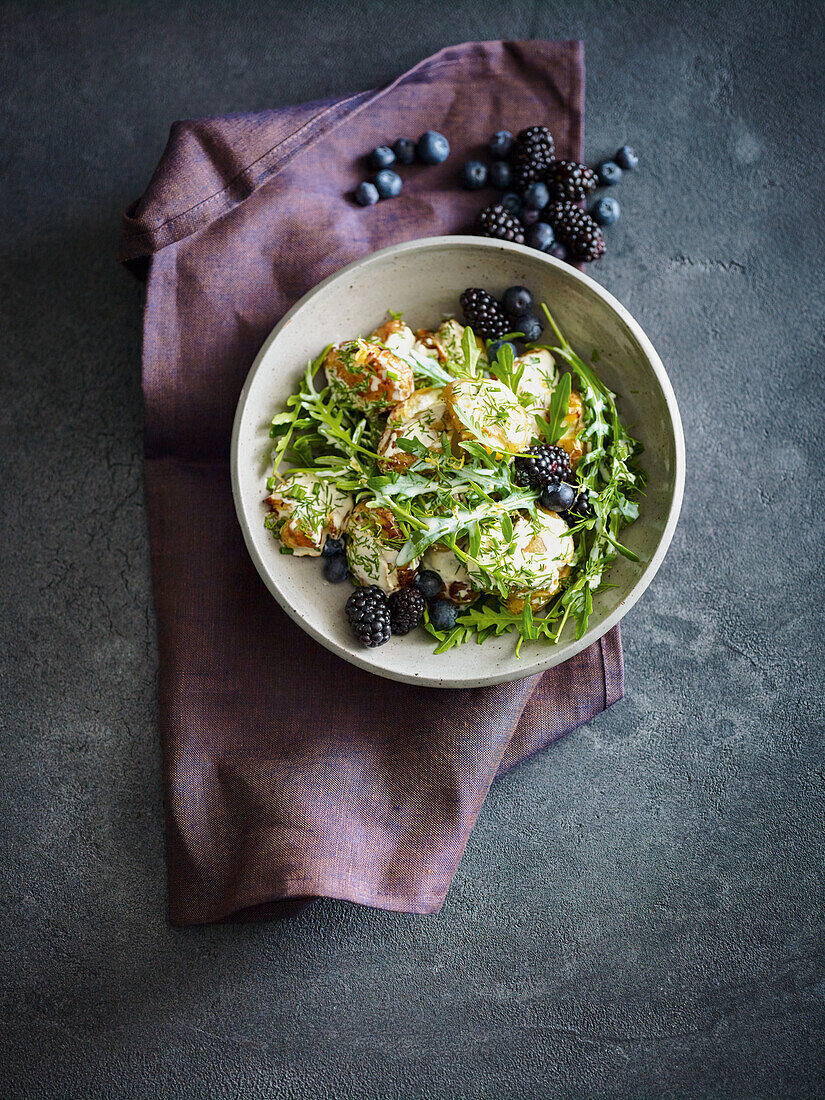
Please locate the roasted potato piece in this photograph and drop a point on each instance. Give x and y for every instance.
(531, 562)
(421, 417)
(367, 376)
(573, 426)
(373, 543)
(538, 379)
(486, 410)
(304, 511)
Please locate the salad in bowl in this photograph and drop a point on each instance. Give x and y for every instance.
(470, 479)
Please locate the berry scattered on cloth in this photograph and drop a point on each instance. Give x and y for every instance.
(540, 235)
(496, 221)
(626, 158)
(388, 184)
(432, 148)
(366, 194)
(568, 180)
(577, 231)
(382, 157)
(404, 150)
(474, 175)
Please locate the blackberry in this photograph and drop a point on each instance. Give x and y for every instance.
(581, 508)
(533, 155)
(369, 616)
(542, 466)
(497, 221)
(576, 230)
(483, 314)
(569, 181)
(406, 610)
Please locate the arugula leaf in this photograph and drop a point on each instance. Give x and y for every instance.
(553, 425)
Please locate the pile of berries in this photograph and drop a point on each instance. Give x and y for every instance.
(539, 206)
(491, 319)
(547, 468)
(431, 148)
(374, 617)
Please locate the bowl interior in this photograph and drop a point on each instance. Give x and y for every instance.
(424, 279)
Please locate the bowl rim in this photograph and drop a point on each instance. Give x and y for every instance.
(555, 655)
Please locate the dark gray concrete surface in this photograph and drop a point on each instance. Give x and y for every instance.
(639, 911)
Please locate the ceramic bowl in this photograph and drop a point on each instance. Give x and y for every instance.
(424, 279)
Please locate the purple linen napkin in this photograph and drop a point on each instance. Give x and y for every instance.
(289, 774)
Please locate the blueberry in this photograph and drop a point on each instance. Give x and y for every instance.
(517, 301)
(388, 184)
(608, 172)
(501, 175)
(559, 251)
(537, 196)
(473, 175)
(432, 148)
(333, 547)
(627, 158)
(500, 143)
(530, 217)
(428, 583)
(335, 569)
(366, 194)
(495, 347)
(443, 614)
(382, 157)
(530, 325)
(511, 202)
(540, 236)
(557, 496)
(606, 211)
(404, 150)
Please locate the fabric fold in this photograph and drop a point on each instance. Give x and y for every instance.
(288, 773)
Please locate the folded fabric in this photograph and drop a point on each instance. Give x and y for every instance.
(289, 774)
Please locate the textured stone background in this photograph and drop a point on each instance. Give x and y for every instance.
(639, 912)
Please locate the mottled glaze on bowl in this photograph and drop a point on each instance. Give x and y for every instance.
(423, 279)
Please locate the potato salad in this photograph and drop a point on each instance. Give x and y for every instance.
(465, 486)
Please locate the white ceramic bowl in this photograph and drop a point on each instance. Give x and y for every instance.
(424, 278)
